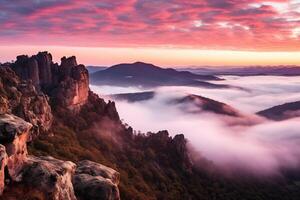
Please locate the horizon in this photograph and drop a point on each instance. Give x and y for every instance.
(149, 99)
(84, 56)
(179, 33)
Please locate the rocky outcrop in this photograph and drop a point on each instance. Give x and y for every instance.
(67, 84)
(101, 181)
(52, 177)
(44, 61)
(14, 134)
(27, 69)
(98, 105)
(21, 98)
(27, 89)
(3, 163)
(72, 91)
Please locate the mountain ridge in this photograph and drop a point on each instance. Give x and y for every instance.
(149, 75)
(282, 112)
(53, 164)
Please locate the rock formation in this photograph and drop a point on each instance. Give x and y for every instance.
(21, 98)
(67, 85)
(3, 163)
(14, 134)
(52, 177)
(26, 89)
(101, 181)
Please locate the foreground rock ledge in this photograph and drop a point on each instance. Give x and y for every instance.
(3, 163)
(14, 133)
(96, 181)
(50, 176)
(53, 179)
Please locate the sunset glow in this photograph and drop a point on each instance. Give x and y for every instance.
(160, 56)
(167, 32)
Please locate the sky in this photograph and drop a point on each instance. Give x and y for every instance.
(164, 32)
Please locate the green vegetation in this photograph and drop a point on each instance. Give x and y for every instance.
(152, 166)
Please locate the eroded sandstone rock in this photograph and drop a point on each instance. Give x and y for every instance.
(100, 181)
(67, 84)
(3, 163)
(44, 60)
(50, 176)
(14, 134)
(72, 91)
(22, 99)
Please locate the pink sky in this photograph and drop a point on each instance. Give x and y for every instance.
(228, 29)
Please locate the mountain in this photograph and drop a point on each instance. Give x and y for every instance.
(148, 75)
(32, 91)
(93, 69)
(134, 97)
(282, 112)
(196, 104)
(191, 103)
(247, 71)
(81, 150)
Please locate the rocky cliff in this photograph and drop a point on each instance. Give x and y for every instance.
(66, 84)
(54, 133)
(31, 90)
(20, 97)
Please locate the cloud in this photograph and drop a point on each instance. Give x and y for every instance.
(248, 144)
(152, 23)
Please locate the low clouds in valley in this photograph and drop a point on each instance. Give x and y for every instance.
(249, 142)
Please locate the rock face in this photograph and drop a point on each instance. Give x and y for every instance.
(21, 98)
(3, 163)
(67, 84)
(101, 181)
(27, 68)
(50, 176)
(26, 88)
(14, 133)
(53, 179)
(73, 89)
(44, 60)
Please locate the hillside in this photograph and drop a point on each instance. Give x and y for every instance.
(202, 104)
(94, 155)
(147, 75)
(282, 112)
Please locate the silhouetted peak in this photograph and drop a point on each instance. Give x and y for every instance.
(68, 61)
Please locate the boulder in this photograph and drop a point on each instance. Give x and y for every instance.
(52, 177)
(100, 181)
(3, 163)
(14, 134)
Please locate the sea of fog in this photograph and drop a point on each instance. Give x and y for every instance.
(252, 143)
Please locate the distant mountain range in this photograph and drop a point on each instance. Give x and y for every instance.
(190, 103)
(200, 104)
(134, 97)
(93, 69)
(247, 71)
(147, 75)
(282, 112)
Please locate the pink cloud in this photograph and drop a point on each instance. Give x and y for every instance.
(221, 24)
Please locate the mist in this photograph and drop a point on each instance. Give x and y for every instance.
(260, 146)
